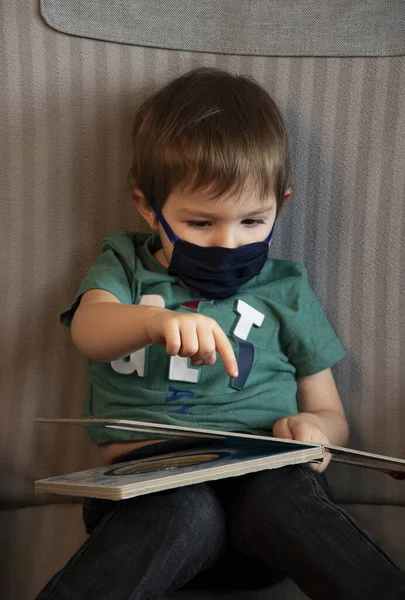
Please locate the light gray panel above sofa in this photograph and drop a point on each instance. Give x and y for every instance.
(261, 27)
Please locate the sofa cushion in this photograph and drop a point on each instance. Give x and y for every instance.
(67, 107)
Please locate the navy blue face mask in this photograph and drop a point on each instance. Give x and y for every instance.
(214, 271)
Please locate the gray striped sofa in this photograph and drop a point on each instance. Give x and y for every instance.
(66, 106)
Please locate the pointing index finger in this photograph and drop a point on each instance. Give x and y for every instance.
(225, 350)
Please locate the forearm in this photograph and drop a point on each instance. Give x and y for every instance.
(107, 331)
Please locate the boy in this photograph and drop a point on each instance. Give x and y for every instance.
(210, 174)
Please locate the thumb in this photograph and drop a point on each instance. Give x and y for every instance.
(282, 429)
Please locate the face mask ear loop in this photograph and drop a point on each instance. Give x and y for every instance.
(168, 230)
(268, 238)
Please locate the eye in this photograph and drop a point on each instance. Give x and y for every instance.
(199, 224)
(252, 222)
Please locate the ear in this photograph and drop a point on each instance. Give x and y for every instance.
(287, 195)
(144, 208)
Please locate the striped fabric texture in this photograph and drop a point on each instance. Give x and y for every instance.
(247, 27)
(66, 107)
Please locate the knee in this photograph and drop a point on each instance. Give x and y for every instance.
(267, 498)
(197, 515)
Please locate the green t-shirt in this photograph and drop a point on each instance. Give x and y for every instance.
(275, 323)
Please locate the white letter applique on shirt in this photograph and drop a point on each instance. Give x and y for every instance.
(248, 316)
(180, 371)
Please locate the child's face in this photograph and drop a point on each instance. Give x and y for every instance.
(228, 222)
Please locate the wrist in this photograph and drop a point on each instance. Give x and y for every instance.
(152, 318)
(332, 424)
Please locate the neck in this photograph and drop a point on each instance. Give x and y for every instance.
(161, 257)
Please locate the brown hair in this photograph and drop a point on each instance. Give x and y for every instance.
(208, 129)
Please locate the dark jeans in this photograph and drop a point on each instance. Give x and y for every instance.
(237, 533)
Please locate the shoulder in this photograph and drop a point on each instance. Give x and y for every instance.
(286, 268)
(125, 245)
(124, 242)
(288, 274)
(284, 285)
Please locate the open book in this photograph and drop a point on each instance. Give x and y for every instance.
(210, 454)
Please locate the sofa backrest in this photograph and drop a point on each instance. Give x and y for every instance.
(66, 110)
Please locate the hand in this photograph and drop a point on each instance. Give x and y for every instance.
(303, 427)
(192, 335)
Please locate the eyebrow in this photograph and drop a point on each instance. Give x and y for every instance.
(198, 213)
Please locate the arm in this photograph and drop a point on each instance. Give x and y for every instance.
(105, 330)
(321, 417)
